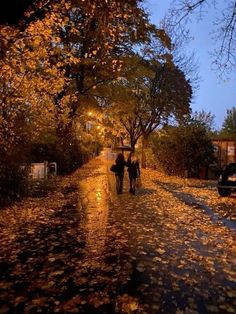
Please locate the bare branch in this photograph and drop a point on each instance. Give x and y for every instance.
(225, 52)
(224, 35)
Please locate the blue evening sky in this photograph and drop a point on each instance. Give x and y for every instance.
(213, 95)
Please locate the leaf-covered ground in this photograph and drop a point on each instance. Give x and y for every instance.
(83, 249)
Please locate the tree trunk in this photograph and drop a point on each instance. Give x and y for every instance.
(132, 144)
(144, 146)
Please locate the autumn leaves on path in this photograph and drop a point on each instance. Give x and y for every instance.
(186, 261)
(84, 249)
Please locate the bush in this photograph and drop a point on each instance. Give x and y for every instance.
(183, 150)
(69, 155)
(13, 178)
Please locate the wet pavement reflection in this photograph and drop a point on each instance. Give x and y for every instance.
(94, 200)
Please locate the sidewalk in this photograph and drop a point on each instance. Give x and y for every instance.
(93, 251)
(173, 257)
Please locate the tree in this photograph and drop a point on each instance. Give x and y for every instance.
(204, 119)
(224, 32)
(229, 124)
(183, 149)
(84, 41)
(56, 57)
(28, 83)
(153, 93)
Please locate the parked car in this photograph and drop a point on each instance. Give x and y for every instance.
(227, 180)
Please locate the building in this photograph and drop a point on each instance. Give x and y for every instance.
(225, 151)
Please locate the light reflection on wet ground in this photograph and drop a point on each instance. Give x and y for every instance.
(94, 199)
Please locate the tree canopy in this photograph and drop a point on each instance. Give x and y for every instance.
(61, 59)
(229, 125)
(150, 93)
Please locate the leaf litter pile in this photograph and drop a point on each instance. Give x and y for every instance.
(83, 249)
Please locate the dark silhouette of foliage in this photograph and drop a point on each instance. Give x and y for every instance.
(183, 150)
(229, 125)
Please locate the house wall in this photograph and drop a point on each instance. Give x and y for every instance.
(225, 151)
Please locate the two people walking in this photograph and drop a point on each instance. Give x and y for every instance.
(133, 169)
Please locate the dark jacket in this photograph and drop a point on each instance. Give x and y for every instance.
(120, 166)
(133, 169)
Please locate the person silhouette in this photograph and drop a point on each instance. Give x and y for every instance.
(133, 170)
(119, 173)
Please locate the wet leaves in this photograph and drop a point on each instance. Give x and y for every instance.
(204, 191)
(127, 304)
(160, 251)
(84, 250)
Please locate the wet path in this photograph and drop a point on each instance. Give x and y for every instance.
(102, 253)
(183, 262)
(193, 201)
